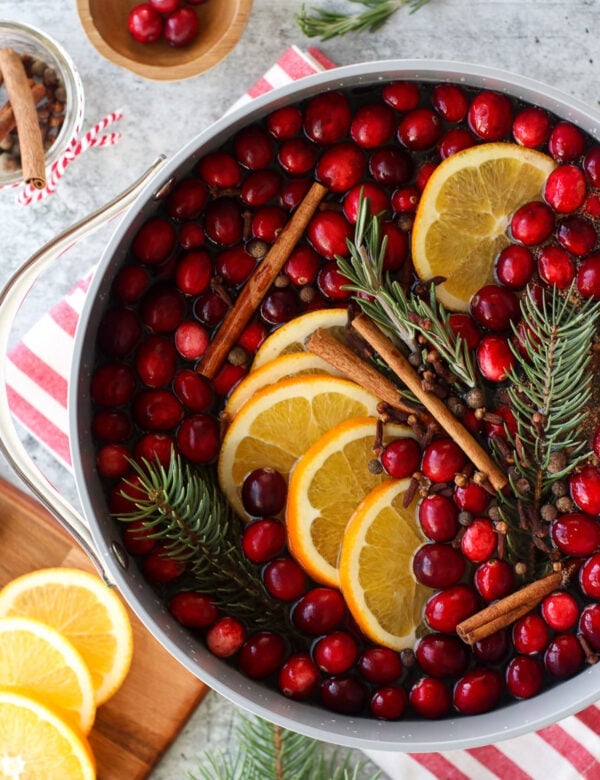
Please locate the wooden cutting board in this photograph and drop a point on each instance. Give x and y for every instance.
(134, 728)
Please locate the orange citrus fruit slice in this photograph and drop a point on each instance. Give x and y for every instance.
(38, 661)
(291, 336)
(326, 485)
(278, 425)
(36, 744)
(83, 609)
(376, 575)
(465, 209)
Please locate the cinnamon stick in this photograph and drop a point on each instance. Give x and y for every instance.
(337, 354)
(7, 115)
(257, 285)
(33, 161)
(440, 412)
(509, 609)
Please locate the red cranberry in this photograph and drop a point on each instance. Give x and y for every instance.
(438, 517)
(138, 539)
(564, 656)
(252, 336)
(198, 438)
(225, 637)
(299, 677)
(390, 166)
(401, 457)
(566, 142)
(119, 332)
(514, 266)
(261, 655)
(591, 206)
(154, 447)
(285, 122)
(406, 200)
(442, 460)
(494, 307)
(154, 241)
(343, 694)
(220, 169)
(302, 266)
(227, 378)
(531, 127)
(145, 24)
(380, 665)
(532, 223)
(111, 425)
(210, 308)
(279, 306)
(113, 384)
(397, 247)
(223, 221)
(191, 235)
(156, 410)
(507, 425)
(155, 361)
(191, 340)
(372, 125)
(193, 609)
(341, 166)
(327, 117)
(494, 648)
(332, 282)
(455, 140)
(162, 308)
(588, 277)
(181, 27)
(319, 611)
(268, 222)
(375, 195)
(438, 565)
(494, 579)
(430, 698)
(420, 129)
(193, 390)
(262, 540)
(576, 534)
(479, 541)
(471, 498)
(187, 199)
(463, 325)
(297, 156)
(591, 166)
(159, 567)
(556, 267)
(584, 486)
(560, 611)
(490, 115)
(125, 493)
(112, 461)
(328, 232)
(441, 655)
(450, 101)
(424, 172)
(495, 357)
(565, 189)
(524, 677)
(260, 187)
(589, 576)
(449, 607)
(479, 690)
(253, 147)
(130, 283)
(589, 625)
(577, 235)
(389, 702)
(264, 492)
(234, 265)
(194, 272)
(336, 652)
(530, 634)
(284, 578)
(401, 95)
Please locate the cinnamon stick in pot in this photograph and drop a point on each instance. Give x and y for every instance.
(20, 95)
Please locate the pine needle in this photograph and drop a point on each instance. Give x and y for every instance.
(328, 24)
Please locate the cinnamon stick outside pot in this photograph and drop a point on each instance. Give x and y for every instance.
(7, 115)
(33, 161)
(257, 285)
(438, 409)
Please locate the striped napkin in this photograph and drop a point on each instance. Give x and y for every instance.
(37, 378)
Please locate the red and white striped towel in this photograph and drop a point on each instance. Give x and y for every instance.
(37, 376)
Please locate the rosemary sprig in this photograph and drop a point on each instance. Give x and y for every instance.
(329, 24)
(406, 314)
(186, 510)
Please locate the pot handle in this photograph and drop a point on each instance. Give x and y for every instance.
(11, 299)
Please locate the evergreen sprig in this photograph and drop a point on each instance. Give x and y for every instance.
(405, 314)
(329, 24)
(187, 511)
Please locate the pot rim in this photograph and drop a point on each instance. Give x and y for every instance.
(511, 720)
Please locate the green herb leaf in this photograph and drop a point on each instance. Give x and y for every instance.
(328, 24)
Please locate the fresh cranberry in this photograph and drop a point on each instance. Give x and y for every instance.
(193, 609)
(494, 579)
(268, 222)
(332, 282)
(430, 698)
(591, 206)
(227, 378)
(260, 187)
(155, 361)
(284, 578)
(490, 115)
(401, 457)
(223, 221)
(494, 307)
(389, 702)
(262, 540)
(441, 655)
(405, 200)
(530, 634)
(198, 438)
(235, 264)
(193, 390)
(584, 486)
(254, 147)
(264, 492)
(154, 241)
(162, 308)
(327, 117)
(455, 140)
(111, 425)
(450, 101)
(438, 565)
(576, 534)
(565, 189)
(438, 517)
(285, 122)
(164, 6)
(495, 357)
(191, 340)
(193, 272)
(380, 665)
(119, 332)
(506, 425)
(401, 95)
(560, 610)
(533, 223)
(524, 677)
(319, 611)
(577, 235)
(125, 494)
(328, 232)
(479, 690)
(589, 576)
(566, 142)
(564, 656)
(261, 655)
(112, 461)
(442, 460)
(589, 625)
(343, 694)
(154, 447)
(420, 129)
(341, 166)
(156, 410)
(191, 235)
(297, 156)
(252, 336)
(302, 266)
(181, 27)
(130, 283)
(187, 199)
(210, 308)
(493, 649)
(279, 306)
(556, 267)
(463, 325)
(138, 538)
(372, 125)
(471, 498)
(159, 566)
(591, 166)
(225, 637)
(336, 652)
(588, 277)
(531, 127)
(449, 607)
(113, 384)
(299, 677)
(390, 166)
(220, 169)
(479, 541)
(514, 266)
(424, 172)
(397, 246)
(145, 24)
(375, 196)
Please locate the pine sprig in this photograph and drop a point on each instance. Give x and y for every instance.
(405, 314)
(328, 24)
(186, 510)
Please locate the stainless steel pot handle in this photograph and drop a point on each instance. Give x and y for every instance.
(11, 299)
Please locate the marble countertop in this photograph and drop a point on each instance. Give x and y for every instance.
(551, 41)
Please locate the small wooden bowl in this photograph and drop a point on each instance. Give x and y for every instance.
(221, 25)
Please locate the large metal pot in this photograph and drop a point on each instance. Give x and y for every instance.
(104, 544)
